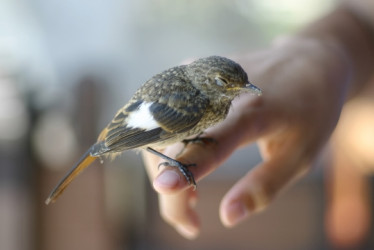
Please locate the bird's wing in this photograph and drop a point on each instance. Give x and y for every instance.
(182, 112)
(145, 122)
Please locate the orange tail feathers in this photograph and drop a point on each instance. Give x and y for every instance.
(83, 163)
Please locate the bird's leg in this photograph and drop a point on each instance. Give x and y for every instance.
(183, 168)
(196, 140)
(199, 140)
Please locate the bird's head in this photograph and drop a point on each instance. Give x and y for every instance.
(220, 76)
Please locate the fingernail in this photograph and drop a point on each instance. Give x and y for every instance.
(187, 231)
(167, 179)
(235, 213)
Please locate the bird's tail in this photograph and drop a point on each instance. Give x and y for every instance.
(83, 163)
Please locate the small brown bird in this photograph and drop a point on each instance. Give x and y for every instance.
(178, 103)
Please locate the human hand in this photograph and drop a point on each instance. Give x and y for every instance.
(348, 215)
(303, 83)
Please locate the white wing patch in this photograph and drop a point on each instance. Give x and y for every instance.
(142, 118)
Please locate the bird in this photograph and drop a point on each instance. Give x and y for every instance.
(170, 107)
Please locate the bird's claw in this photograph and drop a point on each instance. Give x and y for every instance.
(199, 140)
(183, 168)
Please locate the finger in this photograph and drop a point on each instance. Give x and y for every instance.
(169, 180)
(178, 211)
(347, 218)
(256, 189)
(207, 158)
(236, 130)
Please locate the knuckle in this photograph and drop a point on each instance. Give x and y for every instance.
(262, 195)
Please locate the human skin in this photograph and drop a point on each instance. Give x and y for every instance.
(348, 213)
(306, 80)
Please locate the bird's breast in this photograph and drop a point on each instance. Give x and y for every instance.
(213, 115)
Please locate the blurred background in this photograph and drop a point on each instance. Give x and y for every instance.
(65, 69)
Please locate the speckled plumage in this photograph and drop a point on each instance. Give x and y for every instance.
(185, 101)
(177, 103)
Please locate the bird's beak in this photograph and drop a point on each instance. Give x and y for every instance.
(253, 89)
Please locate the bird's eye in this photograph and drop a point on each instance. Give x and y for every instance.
(220, 81)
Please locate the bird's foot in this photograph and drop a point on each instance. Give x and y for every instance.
(183, 168)
(197, 140)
